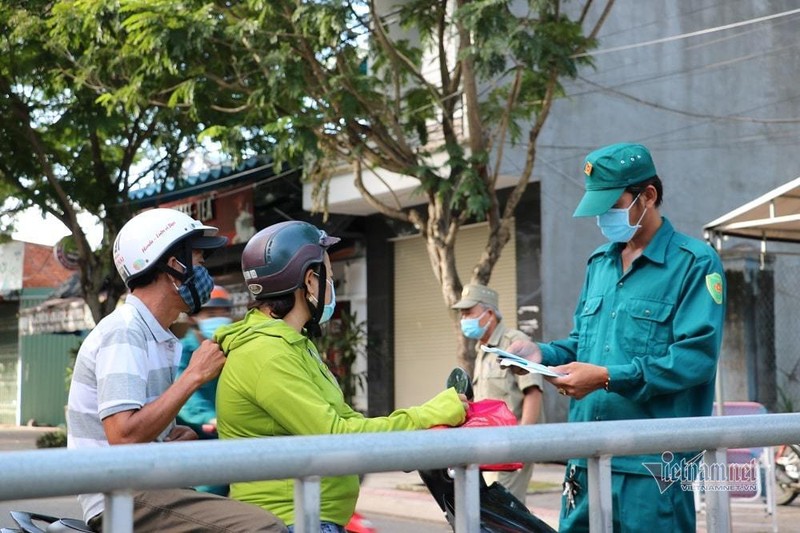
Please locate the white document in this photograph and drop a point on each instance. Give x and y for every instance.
(509, 359)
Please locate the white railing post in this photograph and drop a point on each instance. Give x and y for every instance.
(718, 502)
(306, 504)
(600, 502)
(467, 499)
(118, 512)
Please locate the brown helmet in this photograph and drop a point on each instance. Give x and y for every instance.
(276, 258)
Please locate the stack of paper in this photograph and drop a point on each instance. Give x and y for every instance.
(509, 359)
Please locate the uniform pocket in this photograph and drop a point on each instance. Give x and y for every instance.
(587, 331)
(648, 330)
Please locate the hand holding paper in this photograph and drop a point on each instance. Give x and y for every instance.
(509, 359)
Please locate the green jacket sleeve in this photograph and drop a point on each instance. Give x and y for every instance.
(303, 398)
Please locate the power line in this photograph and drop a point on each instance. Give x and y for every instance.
(682, 36)
(627, 66)
(735, 118)
(791, 48)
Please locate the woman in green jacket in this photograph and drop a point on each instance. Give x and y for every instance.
(274, 382)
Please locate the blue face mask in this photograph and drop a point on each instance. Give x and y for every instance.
(471, 327)
(615, 223)
(210, 325)
(327, 309)
(202, 281)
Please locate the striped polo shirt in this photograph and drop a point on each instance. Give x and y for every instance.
(126, 361)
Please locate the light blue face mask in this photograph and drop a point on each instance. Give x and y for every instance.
(327, 309)
(615, 223)
(210, 325)
(471, 327)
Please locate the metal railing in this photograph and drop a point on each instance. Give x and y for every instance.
(118, 470)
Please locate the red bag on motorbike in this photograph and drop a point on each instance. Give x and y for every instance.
(490, 413)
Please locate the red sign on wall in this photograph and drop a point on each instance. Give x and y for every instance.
(231, 212)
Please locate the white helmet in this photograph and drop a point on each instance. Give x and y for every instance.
(146, 238)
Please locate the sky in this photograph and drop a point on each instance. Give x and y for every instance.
(32, 228)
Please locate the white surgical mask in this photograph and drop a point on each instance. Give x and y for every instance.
(615, 223)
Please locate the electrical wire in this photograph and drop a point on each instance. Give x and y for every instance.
(689, 35)
(732, 118)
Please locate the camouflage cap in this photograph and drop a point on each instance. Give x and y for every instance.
(475, 293)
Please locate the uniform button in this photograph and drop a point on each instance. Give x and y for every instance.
(597, 418)
(647, 312)
(613, 314)
(607, 348)
(619, 284)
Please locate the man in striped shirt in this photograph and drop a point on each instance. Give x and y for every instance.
(124, 388)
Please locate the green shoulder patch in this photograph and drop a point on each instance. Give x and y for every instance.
(714, 286)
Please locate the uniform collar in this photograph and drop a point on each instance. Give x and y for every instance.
(497, 334)
(156, 329)
(656, 251)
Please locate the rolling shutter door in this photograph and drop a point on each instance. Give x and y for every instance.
(425, 334)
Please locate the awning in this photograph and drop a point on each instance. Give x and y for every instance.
(59, 315)
(774, 216)
(171, 190)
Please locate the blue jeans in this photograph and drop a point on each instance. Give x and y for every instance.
(325, 527)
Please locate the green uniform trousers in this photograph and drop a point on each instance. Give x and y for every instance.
(637, 502)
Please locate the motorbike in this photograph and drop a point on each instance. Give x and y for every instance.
(500, 511)
(41, 523)
(787, 473)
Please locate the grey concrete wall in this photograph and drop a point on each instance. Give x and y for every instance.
(719, 113)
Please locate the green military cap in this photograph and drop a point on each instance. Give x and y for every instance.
(475, 293)
(609, 171)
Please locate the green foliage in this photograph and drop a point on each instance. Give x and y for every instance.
(271, 60)
(52, 439)
(431, 90)
(84, 120)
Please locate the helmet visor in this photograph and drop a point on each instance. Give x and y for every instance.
(208, 243)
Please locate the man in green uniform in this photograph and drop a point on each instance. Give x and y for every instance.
(646, 337)
(481, 320)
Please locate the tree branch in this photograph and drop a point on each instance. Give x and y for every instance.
(379, 206)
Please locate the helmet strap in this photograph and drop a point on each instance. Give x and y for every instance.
(312, 326)
(184, 256)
